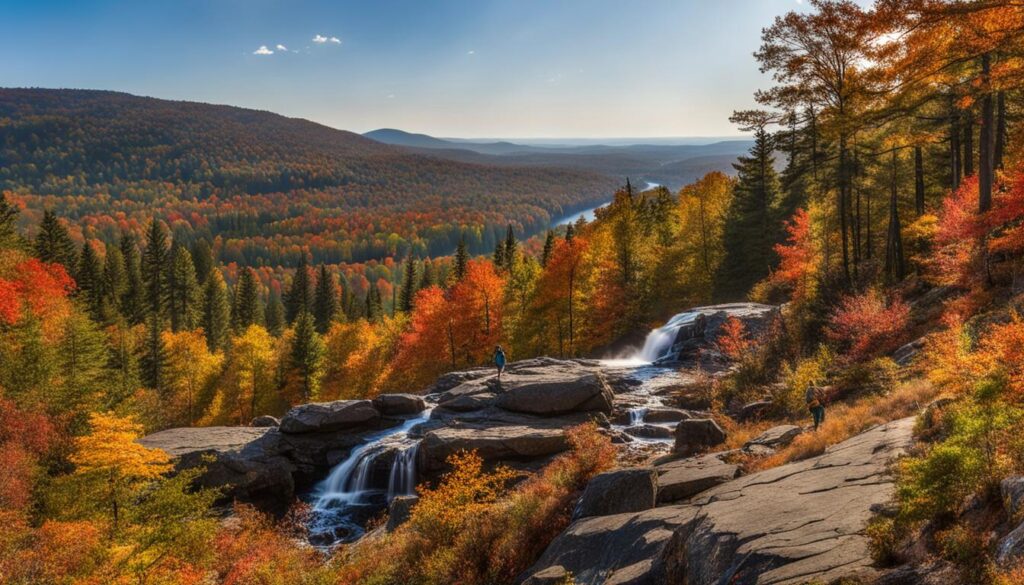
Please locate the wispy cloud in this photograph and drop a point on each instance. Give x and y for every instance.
(281, 47)
(263, 50)
(321, 40)
(471, 52)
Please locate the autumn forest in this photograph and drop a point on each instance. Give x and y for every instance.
(173, 264)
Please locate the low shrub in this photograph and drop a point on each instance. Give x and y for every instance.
(471, 530)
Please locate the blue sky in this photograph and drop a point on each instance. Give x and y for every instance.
(483, 68)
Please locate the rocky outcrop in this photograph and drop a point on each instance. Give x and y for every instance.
(615, 492)
(249, 464)
(685, 478)
(1010, 548)
(491, 443)
(319, 417)
(775, 437)
(265, 421)
(696, 434)
(537, 387)
(399, 404)
(700, 327)
(399, 511)
(797, 523)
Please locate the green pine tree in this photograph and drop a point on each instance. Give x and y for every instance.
(374, 304)
(325, 301)
(549, 246)
(154, 355)
(202, 257)
(273, 316)
(133, 299)
(570, 232)
(461, 259)
(9, 237)
(300, 295)
(307, 355)
(82, 354)
(115, 281)
(405, 301)
(246, 304)
(511, 249)
(185, 296)
(123, 367)
(155, 261)
(428, 278)
(216, 311)
(751, 222)
(53, 243)
(89, 280)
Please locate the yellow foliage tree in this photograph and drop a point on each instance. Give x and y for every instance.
(110, 451)
(190, 367)
(252, 359)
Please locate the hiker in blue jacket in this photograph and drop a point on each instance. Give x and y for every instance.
(499, 359)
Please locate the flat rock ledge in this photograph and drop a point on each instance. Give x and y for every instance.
(797, 523)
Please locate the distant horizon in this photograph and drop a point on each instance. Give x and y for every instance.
(600, 70)
(524, 140)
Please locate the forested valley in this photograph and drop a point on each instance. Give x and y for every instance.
(165, 264)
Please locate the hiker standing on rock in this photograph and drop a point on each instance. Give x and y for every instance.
(816, 404)
(499, 359)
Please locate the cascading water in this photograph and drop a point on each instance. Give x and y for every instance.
(403, 473)
(636, 416)
(659, 341)
(354, 490)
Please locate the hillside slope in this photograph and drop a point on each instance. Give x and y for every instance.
(247, 174)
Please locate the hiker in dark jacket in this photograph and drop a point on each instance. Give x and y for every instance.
(499, 359)
(816, 404)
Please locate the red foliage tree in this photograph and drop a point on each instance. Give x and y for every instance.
(864, 326)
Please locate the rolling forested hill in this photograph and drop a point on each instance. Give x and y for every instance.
(264, 184)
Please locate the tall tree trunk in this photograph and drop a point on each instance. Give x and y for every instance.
(855, 212)
(954, 146)
(868, 253)
(894, 240)
(1000, 129)
(843, 201)
(968, 158)
(918, 181)
(987, 138)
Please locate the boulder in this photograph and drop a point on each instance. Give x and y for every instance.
(555, 390)
(248, 464)
(650, 432)
(399, 404)
(492, 443)
(615, 492)
(775, 437)
(696, 434)
(755, 410)
(1010, 548)
(1012, 490)
(794, 524)
(685, 478)
(399, 511)
(318, 417)
(265, 421)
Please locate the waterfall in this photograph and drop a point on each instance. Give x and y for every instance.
(636, 416)
(402, 481)
(351, 483)
(659, 341)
